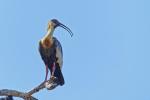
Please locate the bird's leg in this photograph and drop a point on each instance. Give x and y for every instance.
(46, 73)
(53, 69)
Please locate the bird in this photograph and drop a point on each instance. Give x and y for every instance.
(51, 52)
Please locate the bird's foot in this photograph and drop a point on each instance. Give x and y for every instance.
(51, 86)
(52, 83)
(53, 78)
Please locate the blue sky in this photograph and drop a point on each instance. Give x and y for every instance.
(107, 59)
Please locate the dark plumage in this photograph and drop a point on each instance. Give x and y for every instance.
(49, 57)
(51, 52)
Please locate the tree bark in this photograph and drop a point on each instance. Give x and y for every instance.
(23, 95)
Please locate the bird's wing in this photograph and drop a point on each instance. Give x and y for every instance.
(59, 52)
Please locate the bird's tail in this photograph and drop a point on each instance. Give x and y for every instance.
(59, 75)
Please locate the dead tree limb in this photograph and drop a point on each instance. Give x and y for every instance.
(23, 95)
(7, 92)
(36, 89)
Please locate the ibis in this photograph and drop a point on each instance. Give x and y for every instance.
(51, 52)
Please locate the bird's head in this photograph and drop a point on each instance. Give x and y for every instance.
(54, 23)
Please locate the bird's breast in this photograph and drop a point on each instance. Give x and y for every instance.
(46, 42)
(46, 47)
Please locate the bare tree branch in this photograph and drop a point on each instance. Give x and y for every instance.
(23, 95)
(7, 98)
(7, 92)
(36, 89)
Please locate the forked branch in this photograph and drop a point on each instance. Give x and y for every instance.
(23, 95)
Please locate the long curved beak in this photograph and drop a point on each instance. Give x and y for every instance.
(66, 28)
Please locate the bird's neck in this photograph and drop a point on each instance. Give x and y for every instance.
(49, 33)
(47, 40)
